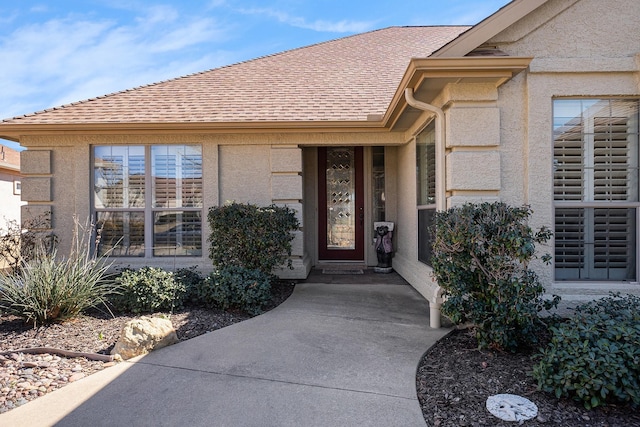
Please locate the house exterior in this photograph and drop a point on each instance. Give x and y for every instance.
(10, 183)
(538, 104)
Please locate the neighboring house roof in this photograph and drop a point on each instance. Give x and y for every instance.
(347, 79)
(9, 159)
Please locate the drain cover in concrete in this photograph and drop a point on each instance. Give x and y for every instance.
(511, 407)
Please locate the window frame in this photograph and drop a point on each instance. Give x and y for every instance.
(426, 185)
(588, 199)
(148, 209)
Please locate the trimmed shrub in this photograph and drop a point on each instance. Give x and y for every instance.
(235, 288)
(256, 238)
(149, 290)
(191, 279)
(595, 356)
(480, 258)
(46, 289)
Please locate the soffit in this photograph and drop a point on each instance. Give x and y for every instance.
(429, 76)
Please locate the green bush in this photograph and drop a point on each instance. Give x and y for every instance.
(480, 258)
(48, 289)
(149, 290)
(192, 280)
(237, 288)
(252, 237)
(595, 356)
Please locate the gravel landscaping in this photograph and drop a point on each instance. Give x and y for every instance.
(24, 377)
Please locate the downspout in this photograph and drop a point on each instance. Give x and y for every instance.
(434, 306)
(440, 148)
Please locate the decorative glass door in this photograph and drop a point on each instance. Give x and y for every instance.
(340, 204)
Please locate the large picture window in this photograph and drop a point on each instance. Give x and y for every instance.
(596, 188)
(148, 200)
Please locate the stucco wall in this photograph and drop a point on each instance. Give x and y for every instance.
(259, 169)
(405, 260)
(579, 50)
(499, 139)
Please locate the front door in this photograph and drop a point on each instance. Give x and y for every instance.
(340, 203)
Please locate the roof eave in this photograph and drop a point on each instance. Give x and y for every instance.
(15, 132)
(495, 69)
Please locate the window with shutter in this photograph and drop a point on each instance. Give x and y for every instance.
(426, 186)
(148, 200)
(596, 188)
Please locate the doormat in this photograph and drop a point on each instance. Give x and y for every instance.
(341, 271)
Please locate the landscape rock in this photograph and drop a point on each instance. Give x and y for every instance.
(511, 407)
(140, 336)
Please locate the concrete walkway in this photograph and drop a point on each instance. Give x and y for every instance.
(331, 355)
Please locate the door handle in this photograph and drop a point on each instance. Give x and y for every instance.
(361, 216)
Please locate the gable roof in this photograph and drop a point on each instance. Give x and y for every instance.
(506, 16)
(348, 79)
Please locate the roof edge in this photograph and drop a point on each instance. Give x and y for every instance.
(14, 132)
(488, 28)
(500, 68)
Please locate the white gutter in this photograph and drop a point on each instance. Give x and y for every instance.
(441, 202)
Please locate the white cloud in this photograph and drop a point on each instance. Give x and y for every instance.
(343, 26)
(74, 58)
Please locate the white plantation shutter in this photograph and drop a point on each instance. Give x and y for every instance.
(596, 189)
(570, 245)
(148, 200)
(111, 175)
(615, 160)
(426, 186)
(569, 164)
(614, 241)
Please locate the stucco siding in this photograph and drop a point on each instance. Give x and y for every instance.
(245, 174)
(579, 50)
(575, 29)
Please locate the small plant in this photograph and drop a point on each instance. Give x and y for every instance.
(47, 289)
(148, 290)
(250, 236)
(595, 356)
(235, 288)
(481, 255)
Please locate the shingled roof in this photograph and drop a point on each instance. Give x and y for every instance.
(346, 79)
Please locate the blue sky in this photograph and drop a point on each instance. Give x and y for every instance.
(59, 51)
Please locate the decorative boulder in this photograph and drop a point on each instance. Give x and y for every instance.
(140, 336)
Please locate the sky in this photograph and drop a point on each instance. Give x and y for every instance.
(53, 52)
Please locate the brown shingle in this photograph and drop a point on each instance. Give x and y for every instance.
(340, 80)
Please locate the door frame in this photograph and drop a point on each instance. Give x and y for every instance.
(358, 253)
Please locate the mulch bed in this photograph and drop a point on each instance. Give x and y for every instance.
(454, 380)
